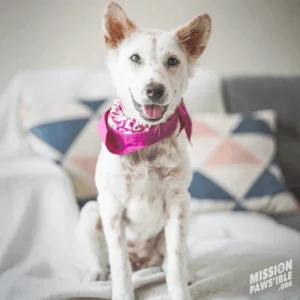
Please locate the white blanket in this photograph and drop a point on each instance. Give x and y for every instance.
(39, 256)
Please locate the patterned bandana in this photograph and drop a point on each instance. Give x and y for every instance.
(122, 134)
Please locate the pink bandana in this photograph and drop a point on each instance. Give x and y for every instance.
(122, 134)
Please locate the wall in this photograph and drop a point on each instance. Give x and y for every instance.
(249, 36)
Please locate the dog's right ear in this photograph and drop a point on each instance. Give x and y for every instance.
(194, 35)
(116, 25)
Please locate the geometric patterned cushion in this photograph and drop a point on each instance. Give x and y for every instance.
(67, 134)
(235, 164)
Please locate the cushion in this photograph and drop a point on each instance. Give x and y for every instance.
(67, 134)
(245, 94)
(235, 164)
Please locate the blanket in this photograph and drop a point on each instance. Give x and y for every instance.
(40, 259)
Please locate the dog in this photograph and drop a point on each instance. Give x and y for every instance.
(140, 217)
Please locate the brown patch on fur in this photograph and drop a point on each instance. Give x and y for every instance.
(148, 253)
(132, 257)
(181, 216)
(114, 221)
(160, 172)
(127, 177)
(161, 151)
(120, 240)
(173, 172)
(194, 35)
(130, 244)
(99, 225)
(166, 213)
(150, 241)
(125, 218)
(117, 25)
(182, 231)
(152, 156)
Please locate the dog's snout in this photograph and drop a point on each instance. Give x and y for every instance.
(154, 91)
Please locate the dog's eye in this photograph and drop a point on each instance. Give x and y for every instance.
(173, 61)
(135, 58)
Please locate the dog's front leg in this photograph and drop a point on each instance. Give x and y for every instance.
(175, 232)
(112, 217)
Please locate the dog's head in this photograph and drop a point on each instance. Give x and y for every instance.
(151, 68)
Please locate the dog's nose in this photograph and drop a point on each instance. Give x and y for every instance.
(155, 91)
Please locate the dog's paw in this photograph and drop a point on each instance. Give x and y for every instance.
(96, 275)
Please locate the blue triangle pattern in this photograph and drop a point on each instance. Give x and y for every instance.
(252, 125)
(267, 184)
(60, 135)
(203, 188)
(93, 105)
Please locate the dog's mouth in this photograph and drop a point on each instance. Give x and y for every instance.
(150, 112)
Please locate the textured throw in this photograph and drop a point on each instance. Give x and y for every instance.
(122, 134)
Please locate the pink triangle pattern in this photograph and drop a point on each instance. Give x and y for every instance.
(231, 153)
(86, 164)
(202, 129)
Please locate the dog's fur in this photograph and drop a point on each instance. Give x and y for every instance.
(143, 202)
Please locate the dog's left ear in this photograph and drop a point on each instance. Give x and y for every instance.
(116, 25)
(194, 36)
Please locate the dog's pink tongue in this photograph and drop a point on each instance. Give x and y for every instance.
(153, 111)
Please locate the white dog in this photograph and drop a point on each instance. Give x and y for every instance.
(143, 202)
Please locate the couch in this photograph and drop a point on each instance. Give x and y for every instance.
(39, 254)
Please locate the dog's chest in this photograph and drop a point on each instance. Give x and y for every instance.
(150, 175)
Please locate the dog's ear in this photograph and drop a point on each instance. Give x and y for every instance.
(116, 25)
(194, 36)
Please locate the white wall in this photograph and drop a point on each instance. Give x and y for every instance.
(249, 36)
